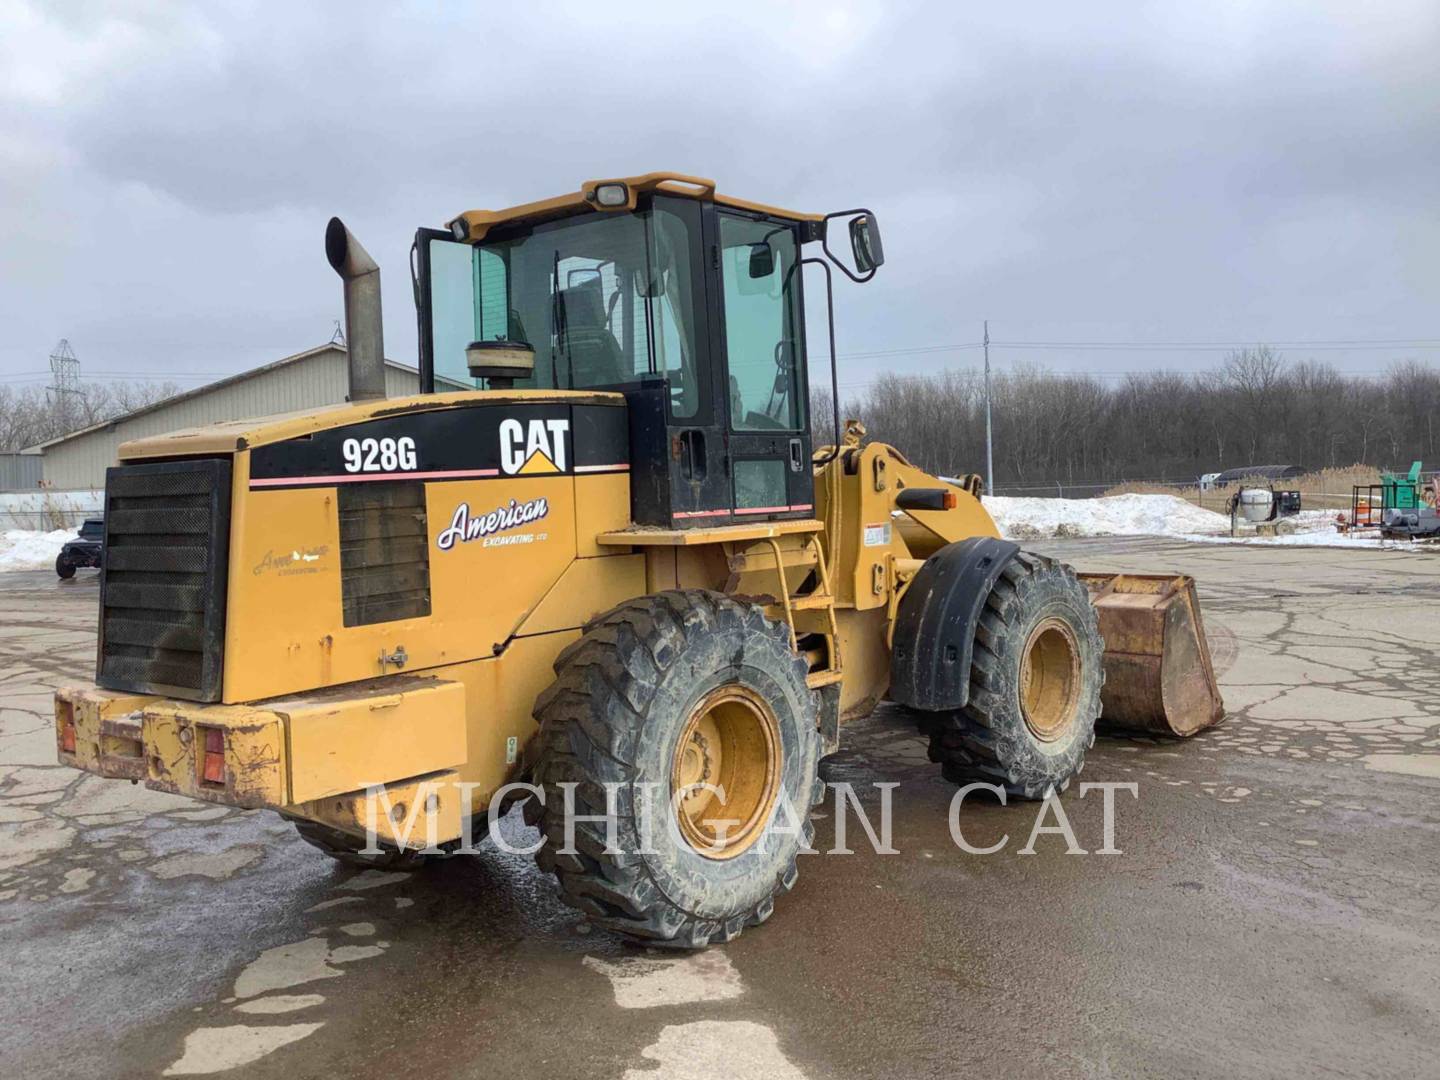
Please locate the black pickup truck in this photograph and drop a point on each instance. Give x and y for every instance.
(85, 550)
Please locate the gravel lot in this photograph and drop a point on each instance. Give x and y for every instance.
(1275, 911)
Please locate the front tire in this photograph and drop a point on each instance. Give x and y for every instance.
(1035, 680)
(64, 567)
(662, 693)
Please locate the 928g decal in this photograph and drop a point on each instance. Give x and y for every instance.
(465, 526)
(379, 455)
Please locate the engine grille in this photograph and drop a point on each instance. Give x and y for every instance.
(384, 552)
(162, 587)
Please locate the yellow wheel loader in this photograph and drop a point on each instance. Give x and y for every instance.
(597, 565)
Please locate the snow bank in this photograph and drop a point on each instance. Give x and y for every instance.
(26, 549)
(1314, 538)
(1161, 515)
(1114, 515)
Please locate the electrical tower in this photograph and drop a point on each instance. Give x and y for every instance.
(65, 389)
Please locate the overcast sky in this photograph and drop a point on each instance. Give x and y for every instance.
(1186, 172)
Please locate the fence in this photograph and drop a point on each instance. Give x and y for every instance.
(46, 511)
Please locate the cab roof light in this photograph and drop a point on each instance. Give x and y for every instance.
(611, 195)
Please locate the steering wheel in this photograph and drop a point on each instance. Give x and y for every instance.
(785, 355)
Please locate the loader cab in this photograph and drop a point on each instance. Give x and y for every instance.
(690, 305)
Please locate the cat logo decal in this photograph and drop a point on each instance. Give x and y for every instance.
(534, 448)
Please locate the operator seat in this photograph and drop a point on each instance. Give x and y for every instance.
(594, 354)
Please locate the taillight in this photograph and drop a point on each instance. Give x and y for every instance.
(67, 734)
(212, 765)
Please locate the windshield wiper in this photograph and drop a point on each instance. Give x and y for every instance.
(557, 325)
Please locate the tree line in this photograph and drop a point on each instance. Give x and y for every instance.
(32, 415)
(1256, 408)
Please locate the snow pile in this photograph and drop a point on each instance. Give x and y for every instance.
(1162, 515)
(1316, 538)
(1310, 521)
(1314, 528)
(1114, 515)
(25, 549)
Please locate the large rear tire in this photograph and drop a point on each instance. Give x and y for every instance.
(1035, 679)
(662, 693)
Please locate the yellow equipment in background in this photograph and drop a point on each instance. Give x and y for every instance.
(597, 561)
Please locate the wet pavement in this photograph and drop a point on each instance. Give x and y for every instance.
(1275, 910)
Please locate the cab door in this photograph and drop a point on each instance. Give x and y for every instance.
(688, 485)
(760, 334)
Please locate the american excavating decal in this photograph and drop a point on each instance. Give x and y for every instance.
(287, 564)
(464, 527)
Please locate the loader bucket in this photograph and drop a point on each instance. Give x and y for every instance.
(1158, 674)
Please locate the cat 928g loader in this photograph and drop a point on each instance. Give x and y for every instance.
(600, 556)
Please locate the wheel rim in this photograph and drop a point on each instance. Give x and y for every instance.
(731, 741)
(1050, 679)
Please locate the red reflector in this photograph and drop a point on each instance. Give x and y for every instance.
(67, 736)
(951, 500)
(212, 770)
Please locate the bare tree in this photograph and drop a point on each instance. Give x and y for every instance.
(29, 416)
(1254, 409)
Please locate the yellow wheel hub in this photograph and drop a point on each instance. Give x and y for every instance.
(725, 774)
(1050, 679)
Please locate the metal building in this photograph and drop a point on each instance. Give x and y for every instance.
(315, 377)
(19, 471)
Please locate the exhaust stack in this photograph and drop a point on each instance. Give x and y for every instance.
(364, 332)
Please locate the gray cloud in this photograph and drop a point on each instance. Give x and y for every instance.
(1163, 172)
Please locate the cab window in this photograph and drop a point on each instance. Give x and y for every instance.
(603, 299)
(759, 263)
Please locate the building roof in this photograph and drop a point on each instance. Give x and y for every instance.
(175, 399)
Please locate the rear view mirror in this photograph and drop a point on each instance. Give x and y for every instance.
(865, 243)
(762, 260)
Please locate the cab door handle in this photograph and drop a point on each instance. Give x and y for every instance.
(692, 454)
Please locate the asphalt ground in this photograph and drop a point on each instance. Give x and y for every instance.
(1274, 911)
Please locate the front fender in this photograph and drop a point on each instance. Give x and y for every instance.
(936, 620)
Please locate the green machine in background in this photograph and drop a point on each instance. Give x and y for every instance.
(1401, 492)
(1401, 507)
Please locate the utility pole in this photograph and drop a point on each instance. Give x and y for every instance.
(65, 367)
(989, 450)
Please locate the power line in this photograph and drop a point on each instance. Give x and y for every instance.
(37, 376)
(1356, 344)
(1215, 346)
(925, 375)
(906, 352)
(989, 445)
